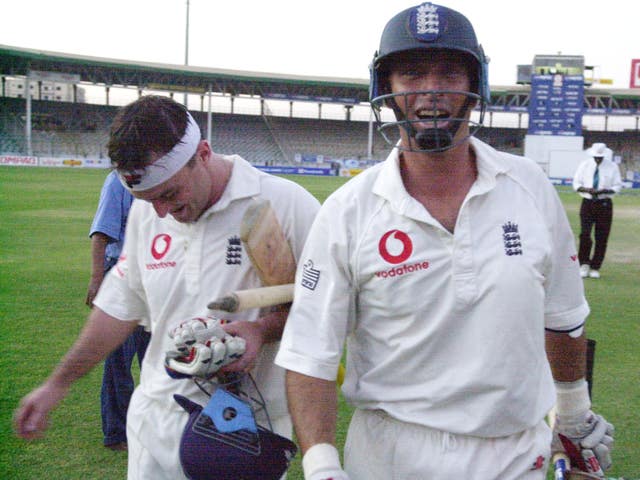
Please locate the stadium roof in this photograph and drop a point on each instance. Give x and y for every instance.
(15, 61)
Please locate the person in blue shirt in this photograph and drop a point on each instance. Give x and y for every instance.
(107, 238)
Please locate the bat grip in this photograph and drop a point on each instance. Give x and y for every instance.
(228, 303)
(560, 466)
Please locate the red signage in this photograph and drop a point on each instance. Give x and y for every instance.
(635, 73)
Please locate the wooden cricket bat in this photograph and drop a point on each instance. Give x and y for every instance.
(253, 298)
(266, 245)
(272, 257)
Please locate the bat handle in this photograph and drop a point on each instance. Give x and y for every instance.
(561, 466)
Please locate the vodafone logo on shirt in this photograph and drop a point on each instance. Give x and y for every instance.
(395, 247)
(160, 245)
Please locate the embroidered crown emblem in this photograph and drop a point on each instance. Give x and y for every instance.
(510, 228)
(427, 19)
(511, 239)
(234, 251)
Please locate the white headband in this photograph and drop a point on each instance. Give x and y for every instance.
(167, 166)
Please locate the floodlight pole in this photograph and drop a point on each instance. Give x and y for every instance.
(186, 49)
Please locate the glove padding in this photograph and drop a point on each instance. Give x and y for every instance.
(202, 347)
(196, 330)
(586, 439)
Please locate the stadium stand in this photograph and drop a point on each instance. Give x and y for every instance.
(71, 127)
(60, 128)
(81, 130)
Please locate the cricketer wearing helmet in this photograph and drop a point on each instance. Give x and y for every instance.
(450, 273)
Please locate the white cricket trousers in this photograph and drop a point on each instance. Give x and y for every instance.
(379, 447)
(154, 431)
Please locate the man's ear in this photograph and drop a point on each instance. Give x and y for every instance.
(204, 150)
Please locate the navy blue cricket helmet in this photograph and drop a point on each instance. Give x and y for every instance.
(223, 440)
(422, 28)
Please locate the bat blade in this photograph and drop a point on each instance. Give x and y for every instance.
(253, 298)
(266, 245)
(270, 254)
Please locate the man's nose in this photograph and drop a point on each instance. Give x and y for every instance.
(161, 207)
(431, 82)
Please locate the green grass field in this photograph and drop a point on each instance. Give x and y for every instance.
(45, 215)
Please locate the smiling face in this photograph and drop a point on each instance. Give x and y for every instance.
(187, 194)
(432, 92)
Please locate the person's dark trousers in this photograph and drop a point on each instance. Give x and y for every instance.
(118, 385)
(598, 214)
(117, 381)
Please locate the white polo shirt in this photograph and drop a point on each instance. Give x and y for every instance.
(169, 271)
(443, 330)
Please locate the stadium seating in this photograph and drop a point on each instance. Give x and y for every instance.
(81, 130)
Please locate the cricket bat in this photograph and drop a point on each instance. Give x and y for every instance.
(266, 245)
(270, 254)
(253, 298)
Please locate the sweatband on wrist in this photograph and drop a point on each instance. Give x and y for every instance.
(572, 398)
(166, 166)
(322, 456)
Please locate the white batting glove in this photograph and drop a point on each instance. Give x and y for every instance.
(587, 438)
(196, 330)
(202, 360)
(202, 347)
(235, 348)
(322, 462)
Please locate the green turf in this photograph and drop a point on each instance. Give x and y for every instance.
(45, 216)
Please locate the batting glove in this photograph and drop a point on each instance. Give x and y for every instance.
(322, 462)
(202, 360)
(586, 438)
(235, 347)
(196, 330)
(202, 347)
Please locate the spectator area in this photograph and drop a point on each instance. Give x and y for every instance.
(81, 130)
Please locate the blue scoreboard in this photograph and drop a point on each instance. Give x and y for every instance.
(556, 105)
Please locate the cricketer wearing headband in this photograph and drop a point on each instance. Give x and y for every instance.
(182, 249)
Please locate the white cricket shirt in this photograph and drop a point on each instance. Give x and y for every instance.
(443, 330)
(169, 271)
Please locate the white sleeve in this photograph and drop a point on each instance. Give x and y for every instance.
(121, 294)
(578, 180)
(315, 332)
(566, 306)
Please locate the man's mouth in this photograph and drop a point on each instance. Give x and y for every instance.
(432, 118)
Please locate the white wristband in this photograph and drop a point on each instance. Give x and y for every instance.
(322, 456)
(573, 398)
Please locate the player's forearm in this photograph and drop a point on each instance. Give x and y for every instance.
(567, 356)
(99, 242)
(313, 404)
(99, 337)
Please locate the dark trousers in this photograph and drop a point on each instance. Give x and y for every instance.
(118, 385)
(598, 214)
(117, 381)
